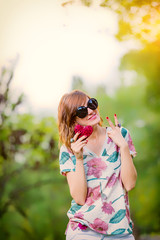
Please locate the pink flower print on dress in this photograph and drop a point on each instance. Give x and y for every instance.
(93, 195)
(99, 226)
(117, 148)
(81, 226)
(109, 140)
(73, 225)
(126, 198)
(78, 215)
(127, 214)
(107, 208)
(131, 146)
(112, 180)
(120, 180)
(95, 167)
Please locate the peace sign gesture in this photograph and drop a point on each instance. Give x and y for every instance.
(115, 133)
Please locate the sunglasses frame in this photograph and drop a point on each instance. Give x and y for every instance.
(82, 111)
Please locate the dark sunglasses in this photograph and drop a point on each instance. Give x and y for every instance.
(82, 111)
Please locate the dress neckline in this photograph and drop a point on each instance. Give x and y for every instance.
(102, 148)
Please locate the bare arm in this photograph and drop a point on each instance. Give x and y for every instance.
(77, 183)
(128, 171)
(77, 180)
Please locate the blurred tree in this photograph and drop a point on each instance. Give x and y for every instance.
(29, 172)
(146, 62)
(139, 20)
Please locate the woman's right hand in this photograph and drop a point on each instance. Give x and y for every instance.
(77, 145)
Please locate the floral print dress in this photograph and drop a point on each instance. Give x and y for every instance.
(106, 209)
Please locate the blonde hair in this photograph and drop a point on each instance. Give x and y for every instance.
(66, 115)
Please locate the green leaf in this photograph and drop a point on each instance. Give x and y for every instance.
(113, 157)
(129, 230)
(118, 216)
(124, 132)
(118, 231)
(105, 153)
(64, 157)
(90, 208)
(73, 159)
(75, 208)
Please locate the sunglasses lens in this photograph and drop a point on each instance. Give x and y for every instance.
(92, 103)
(81, 112)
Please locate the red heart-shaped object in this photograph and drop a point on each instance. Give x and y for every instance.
(84, 130)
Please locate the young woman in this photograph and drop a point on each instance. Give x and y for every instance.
(99, 171)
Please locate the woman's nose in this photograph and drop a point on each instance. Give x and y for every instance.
(90, 111)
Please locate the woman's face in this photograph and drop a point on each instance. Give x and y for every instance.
(93, 117)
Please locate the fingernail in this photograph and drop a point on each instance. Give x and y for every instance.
(107, 117)
(115, 115)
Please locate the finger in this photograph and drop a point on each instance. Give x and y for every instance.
(79, 146)
(110, 123)
(79, 141)
(109, 132)
(82, 138)
(76, 136)
(83, 144)
(116, 120)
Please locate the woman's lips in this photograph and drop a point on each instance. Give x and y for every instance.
(92, 117)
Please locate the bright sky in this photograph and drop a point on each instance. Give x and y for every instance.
(55, 43)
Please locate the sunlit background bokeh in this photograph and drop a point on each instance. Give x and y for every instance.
(111, 50)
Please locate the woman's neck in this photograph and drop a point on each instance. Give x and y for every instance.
(97, 131)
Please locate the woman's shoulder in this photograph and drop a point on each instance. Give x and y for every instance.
(63, 148)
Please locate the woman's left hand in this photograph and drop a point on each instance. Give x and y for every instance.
(115, 134)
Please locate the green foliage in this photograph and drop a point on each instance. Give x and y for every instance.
(146, 62)
(31, 203)
(38, 210)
